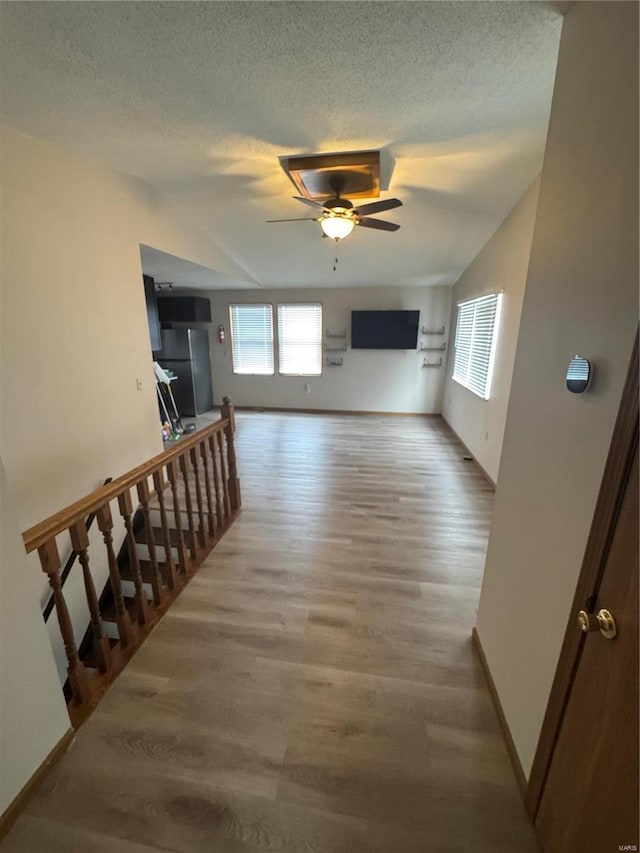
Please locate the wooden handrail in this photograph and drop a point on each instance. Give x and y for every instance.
(61, 521)
(198, 477)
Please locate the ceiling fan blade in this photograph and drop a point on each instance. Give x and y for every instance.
(378, 206)
(379, 224)
(303, 219)
(309, 202)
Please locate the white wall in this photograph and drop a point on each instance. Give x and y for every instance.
(33, 716)
(74, 340)
(501, 265)
(74, 324)
(581, 297)
(369, 380)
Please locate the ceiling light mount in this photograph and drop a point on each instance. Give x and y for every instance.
(314, 176)
(338, 205)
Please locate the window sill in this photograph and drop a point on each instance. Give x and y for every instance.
(471, 390)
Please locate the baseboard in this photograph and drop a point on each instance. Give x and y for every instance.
(12, 812)
(521, 779)
(469, 453)
(335, 412)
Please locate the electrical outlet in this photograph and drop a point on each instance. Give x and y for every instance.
(307, 388)
(139, 384)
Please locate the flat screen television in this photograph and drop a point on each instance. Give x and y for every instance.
(384, 329)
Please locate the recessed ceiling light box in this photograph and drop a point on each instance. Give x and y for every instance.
(357, 172)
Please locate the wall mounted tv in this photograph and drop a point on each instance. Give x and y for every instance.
(384, 329)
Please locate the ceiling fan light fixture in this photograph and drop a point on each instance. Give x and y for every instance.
(337, 227)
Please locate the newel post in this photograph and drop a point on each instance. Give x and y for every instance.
(228, 414)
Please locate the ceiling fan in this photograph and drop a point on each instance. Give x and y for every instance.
(339, 217)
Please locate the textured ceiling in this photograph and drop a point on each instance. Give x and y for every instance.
(203, 98)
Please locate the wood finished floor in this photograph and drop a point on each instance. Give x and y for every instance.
(314, 689)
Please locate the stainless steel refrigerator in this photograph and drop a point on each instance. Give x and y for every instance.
(186, 353)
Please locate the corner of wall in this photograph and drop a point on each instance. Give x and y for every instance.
(32, 710)
(501, 265)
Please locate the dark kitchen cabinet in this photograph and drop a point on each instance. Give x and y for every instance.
(184, 309)
(152, 312)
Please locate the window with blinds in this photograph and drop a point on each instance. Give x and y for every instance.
(300, 339)
(252, 339)
(475, 342)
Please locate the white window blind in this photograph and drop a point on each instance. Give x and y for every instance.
(252, 338)
(475, 343)
(300, 339)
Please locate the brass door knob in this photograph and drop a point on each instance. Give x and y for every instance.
(601, 621)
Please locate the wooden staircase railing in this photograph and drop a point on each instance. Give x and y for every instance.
(196, 495)
(64, 574)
